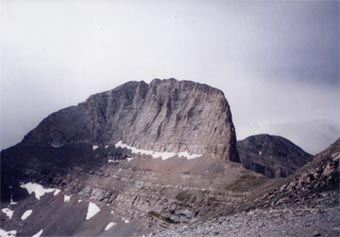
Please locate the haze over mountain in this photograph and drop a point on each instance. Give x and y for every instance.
(277, 62)
(92, 145)
(137, 159)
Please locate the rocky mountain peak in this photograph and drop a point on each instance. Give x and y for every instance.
(165, 115)
(273, 156)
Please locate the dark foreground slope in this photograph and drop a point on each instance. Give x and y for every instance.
(273, 156)
(303, 204)
(316, 183)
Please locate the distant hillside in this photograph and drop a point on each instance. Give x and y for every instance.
(273, 156)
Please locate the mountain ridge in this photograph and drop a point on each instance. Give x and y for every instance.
(168, 114)
(148, 157)
(271, 155)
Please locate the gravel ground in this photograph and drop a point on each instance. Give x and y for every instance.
(267, 223)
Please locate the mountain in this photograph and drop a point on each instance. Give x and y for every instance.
(126, 162)
(165, 115)
(144, 158)
(304, 204)
(317, 183)
(272, 156)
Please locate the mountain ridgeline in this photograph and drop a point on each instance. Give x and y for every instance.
(143, 158)
(272, 156)
(165, 115)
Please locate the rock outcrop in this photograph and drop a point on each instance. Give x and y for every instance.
(76, 150)
(273, 156)
(305, 203)
(150, 193)
(74, 161)
(316, 183)
(165, 115)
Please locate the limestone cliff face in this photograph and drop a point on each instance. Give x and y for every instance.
(165, 115)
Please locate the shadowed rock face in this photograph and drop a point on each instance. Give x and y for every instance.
(317, 183)
(165, 115)
(273, 156)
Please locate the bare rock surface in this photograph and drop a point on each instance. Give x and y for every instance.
(302, 222)
(318, 180)
(272, 156)
(75, 151)
(165, 115)
(141, 195)
(303, 204)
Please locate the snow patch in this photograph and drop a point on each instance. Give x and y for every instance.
(56, 192)
(156, 154)
(95, 147)
(129, 159)
(125, 220)
(8, 212)
(260, 152)
(38, 234)
(113, 161)
(92, 210)
(11, 233)
(37, 189)
(56, 145)
(106, 146)
(80, 200)
(110, 225)
(26, 214)
(67, 198)
(11, 201)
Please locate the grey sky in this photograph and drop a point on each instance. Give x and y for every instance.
(277, 62)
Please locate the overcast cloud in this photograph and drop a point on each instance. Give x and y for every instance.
(277, 62)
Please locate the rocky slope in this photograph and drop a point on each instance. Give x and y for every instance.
(151, 194)
(138, 159)
(303, 204)
(173, 164)
(318, 180)
(302, 222)
(165, 115)
(273, 156)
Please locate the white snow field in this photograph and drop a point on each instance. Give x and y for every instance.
(26, 214)
(156, 154)
(37, 189)
(8, 212)
(38, 234)
(11, 233)
(67, 198)
(110, 225)
(92, 210)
